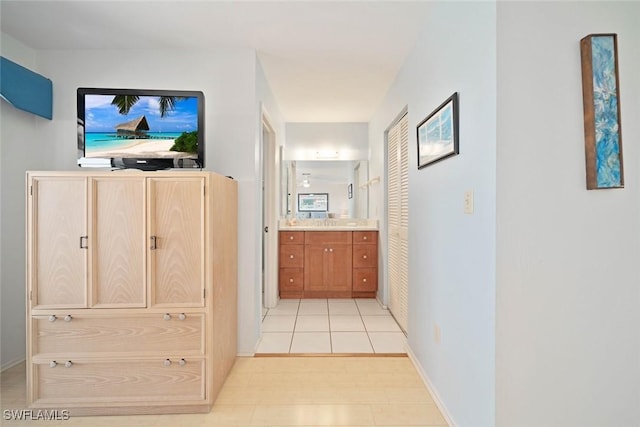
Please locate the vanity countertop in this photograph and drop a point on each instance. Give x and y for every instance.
(332, 224)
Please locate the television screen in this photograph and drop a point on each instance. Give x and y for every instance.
(147, 129)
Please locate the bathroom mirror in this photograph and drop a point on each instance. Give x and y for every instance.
(344, 181)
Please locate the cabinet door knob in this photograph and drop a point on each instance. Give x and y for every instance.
(291, 256)
(330, 249)
(182, 316)
(326, 250)
(290, 280)
(68, 318)
(166, 316)
(68, 364)
(167, 362)
(53, 364)
(83, 242)
(154, 243)
(364, 257)
(290, 237)
(364, 280)
(52, 318)
(364, 238)
(182, 362)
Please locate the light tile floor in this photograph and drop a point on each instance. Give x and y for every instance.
(283, 391)
(318, 326)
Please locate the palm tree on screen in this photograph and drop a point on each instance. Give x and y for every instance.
(126, 102)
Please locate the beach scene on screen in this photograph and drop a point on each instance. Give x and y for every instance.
(121, 126)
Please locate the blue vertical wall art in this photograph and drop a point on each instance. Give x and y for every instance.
(601, 101)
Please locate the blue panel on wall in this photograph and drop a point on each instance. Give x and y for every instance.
(25, 89)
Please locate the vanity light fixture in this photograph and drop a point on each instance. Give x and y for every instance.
(323, 155)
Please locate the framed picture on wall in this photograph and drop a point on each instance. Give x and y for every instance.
(313, 202)
(438, 133)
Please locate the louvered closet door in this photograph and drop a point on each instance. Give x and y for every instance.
(398, 219)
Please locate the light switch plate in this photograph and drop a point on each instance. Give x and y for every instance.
(468, 202)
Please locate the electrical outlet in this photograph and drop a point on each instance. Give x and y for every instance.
(468, 202)
(436, 333)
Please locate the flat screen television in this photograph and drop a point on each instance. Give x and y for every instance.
(143, 129)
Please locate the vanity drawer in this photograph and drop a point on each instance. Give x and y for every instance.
(292, 237)
(327, 237)
(292, 256)
(365, 237)
(291, 279)
(141, 380)
(365, 256)
(365, 280)
(148, 333)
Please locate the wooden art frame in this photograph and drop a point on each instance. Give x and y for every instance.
(601, 103)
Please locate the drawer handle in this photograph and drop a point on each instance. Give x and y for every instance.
(68, 318)
(290, 280)
(53, 364)
(68, 364)
(182, 316)
(167, 362)
(364, 280)
(291, 256)
(52, 318)
(154, 243)
(364, 257)
(182, 362)
(290, 237)
(166, 316)
(83, 242)
(364, 238)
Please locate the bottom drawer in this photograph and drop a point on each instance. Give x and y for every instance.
(291, 279)
(118, 381)
(365, 279)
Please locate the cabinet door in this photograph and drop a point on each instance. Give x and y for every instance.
(314, 267)
(118, 242)
(176, 239)
(58, 241)
(338, 268)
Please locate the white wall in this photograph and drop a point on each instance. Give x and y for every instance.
(305, 139)
(228, 80)
(20, 149)
(568, 293)
(451, 254)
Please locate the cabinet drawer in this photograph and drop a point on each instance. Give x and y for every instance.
(291, 237)
(292, 256)
(365, 279)
(327, 237)
(365, 237)
(291, 279)
(144, 380)
(365, 256)
(135, 334)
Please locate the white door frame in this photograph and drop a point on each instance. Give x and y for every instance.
(269, 239)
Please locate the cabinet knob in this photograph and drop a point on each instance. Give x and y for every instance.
(326, 250)
(167, 362)
(182, 362)
(364, 257)
(182, 316)
(290, 237)
(364, 280)
(53, 364)
(364, 237)
(330, 249)
(291, 256)
(52, 318)
(68, 364)
(68, 318)
(166, 316)
(290, 280)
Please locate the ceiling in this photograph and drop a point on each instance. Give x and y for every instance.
(325, 61)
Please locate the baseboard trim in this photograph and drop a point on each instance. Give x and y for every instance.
(11, 364)
(432, 390)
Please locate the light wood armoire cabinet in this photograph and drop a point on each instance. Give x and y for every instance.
(131, 290)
